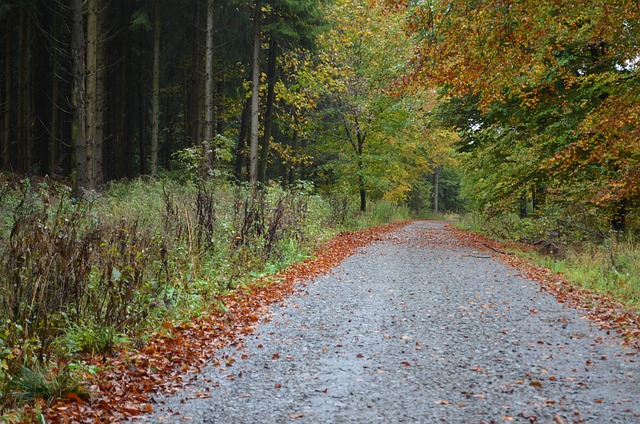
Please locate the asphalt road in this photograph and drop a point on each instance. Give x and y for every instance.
(417, 329)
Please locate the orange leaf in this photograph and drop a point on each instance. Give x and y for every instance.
(72, 396)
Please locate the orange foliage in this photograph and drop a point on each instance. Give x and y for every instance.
(168, 362)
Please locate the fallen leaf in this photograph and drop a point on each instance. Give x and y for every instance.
(72, 396)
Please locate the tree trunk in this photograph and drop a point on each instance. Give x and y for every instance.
(55, 133)
(79, 94)
(141, 121)
(93, 119)
(538, 198)
(436, 190)
(241, 159)
(255, 88)
(6, 131)
(619, 218)
(524, 205)
(155, 103)
(208, 89)
(294, 146)
(124, 146)
(24, 91)
(101, 93)
(363, 197)
(268, 116)
(360, 151)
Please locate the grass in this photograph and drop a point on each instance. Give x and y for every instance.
(612, 268)
(92, 340)
(96, 275)
(31, 383)
(609, 265)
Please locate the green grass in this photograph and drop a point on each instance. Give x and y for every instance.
(39, 382)
(90, 339)
(610, 266)
(95, 275)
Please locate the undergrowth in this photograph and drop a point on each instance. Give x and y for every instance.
(577, 247)
(91, 276)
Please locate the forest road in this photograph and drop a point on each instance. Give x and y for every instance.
(418, 329)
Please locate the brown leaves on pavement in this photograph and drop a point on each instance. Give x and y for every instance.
(601, 308)
(168, 363)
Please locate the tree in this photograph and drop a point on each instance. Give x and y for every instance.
(544, 124)
(255, 92)
(288, 25)
(381, 137)
(94, 101)
(79, 98)
(5, 15)
(155, 103)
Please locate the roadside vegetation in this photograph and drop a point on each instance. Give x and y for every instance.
(266, 128)
(578, 246)
(93, 276)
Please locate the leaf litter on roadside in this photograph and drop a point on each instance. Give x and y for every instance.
(125, 387)
(602, 309)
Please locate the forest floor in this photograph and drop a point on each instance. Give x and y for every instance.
(419, 323)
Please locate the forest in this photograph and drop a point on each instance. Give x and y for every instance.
(102, 91)
(156, 154)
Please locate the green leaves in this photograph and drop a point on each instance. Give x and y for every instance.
(541, 92)
(374, 138)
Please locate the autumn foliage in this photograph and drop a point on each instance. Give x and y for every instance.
(549, 84)
(176, 354)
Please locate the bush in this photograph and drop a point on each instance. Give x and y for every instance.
(90, 276)
(39, 382)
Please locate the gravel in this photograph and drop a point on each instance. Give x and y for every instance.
(417, 329)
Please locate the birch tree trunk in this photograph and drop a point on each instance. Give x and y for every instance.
(255, 88)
